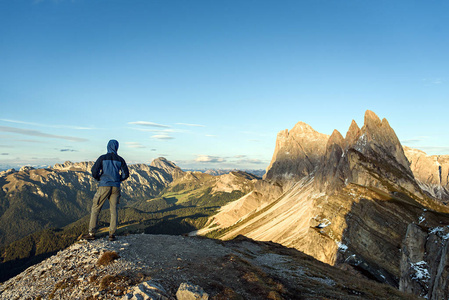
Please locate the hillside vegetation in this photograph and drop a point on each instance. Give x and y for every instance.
(180, 208)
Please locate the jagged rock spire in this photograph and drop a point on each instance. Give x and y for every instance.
(336, 160)
(336, 138)
(353, 134)
(297, 153)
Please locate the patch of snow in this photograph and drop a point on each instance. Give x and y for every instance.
(324, 224)
(421, 219)
(342, 247)
(421, 272)
(437, 229)
(361, 142)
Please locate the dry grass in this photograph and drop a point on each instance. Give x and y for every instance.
(107, 258)
(117, 285)
(62, 285)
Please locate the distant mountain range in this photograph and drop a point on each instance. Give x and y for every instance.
(363, 203)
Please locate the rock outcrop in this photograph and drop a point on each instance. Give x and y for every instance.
(188, 291)
(370, 156)
(297, 153)
(425, 262)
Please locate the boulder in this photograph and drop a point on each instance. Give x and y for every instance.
(148, 290)
(188, 291)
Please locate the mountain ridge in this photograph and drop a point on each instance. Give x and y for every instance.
(156, 266)
(351, 208)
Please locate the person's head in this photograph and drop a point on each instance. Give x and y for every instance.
(112, 146)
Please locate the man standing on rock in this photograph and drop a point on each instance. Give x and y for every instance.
(110, 169)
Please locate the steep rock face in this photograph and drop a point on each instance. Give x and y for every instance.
(381, 138)
(297, 153)
(371, 156)
(431, 171)
(425, 262)
(332, 170)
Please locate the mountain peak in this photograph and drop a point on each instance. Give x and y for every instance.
(371, 119)
(302, 128)
(297, 153)
(336, 138)
(168, 166)
(353, 133)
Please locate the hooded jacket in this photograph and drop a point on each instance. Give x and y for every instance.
(110, 169)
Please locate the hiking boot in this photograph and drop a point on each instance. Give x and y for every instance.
(112, 237)
(88, 236)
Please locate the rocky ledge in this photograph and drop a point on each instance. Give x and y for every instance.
(178, 267)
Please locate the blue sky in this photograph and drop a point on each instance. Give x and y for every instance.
(208, 84)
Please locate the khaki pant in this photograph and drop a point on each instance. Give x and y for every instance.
(111, 193)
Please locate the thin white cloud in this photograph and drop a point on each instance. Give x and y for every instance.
(410, 141)
(209, 159)
(149, 124)
(157, 130)
(46, 125)
(40, 134)
(134, 145)
(191, 125)
(414, 140)
(435, 150)
(211, 135)
(30, 141)
(240, 156)
(433, 81)
(251, 161)
(162, 137)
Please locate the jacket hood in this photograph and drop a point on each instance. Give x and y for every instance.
(112, 146)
